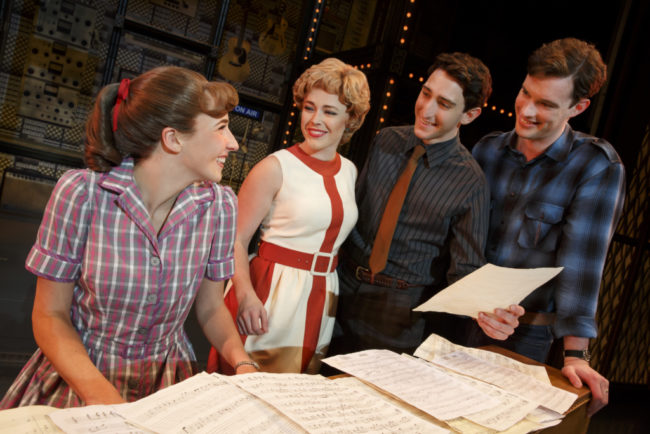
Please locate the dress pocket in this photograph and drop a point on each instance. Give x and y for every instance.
(540, 229)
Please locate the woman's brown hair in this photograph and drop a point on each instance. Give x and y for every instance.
(167, 96)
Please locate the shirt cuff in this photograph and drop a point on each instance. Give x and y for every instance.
(221, 270)
(51, 266)
(582, 326)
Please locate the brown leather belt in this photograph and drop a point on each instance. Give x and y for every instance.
(364, 275)
(319, 263)
(537, 318)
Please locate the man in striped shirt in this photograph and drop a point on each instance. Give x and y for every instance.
(557, 195)
(441, 229)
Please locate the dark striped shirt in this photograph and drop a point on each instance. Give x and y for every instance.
(557, 210)
(442, 228)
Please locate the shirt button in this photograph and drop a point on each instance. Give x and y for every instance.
(512, 194)
(133, 383)
(152, 298)
(141, 331)
(155, 261)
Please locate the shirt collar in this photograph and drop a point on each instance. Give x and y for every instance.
(559, 149)
(436, 152)
(120, 180)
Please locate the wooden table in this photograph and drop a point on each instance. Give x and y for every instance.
(575, 419)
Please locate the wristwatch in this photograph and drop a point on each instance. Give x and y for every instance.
(581, 354)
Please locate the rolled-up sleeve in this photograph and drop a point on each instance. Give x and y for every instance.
(58, 251)
(221, 264)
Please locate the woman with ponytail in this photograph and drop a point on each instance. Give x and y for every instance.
(127, 245)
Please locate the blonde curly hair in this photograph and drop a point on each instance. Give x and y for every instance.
(338, 78)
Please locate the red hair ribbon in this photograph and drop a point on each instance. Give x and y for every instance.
(122, 93)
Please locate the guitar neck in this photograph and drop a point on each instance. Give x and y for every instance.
(242, 30)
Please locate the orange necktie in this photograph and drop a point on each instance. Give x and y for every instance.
(379, 253)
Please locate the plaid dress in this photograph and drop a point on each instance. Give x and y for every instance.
(133, 287)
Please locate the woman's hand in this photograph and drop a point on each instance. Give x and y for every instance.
(109, 395)
(251, 317)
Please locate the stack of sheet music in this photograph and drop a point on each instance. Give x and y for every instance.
(445, 388)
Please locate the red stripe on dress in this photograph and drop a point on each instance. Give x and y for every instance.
(261, 272)
(316, 302)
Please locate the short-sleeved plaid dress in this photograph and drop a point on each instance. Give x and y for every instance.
(133, 287)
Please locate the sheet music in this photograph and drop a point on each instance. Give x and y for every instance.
(465, 426)
(511, 409)
(437, 345)
(420, 384)
(207, 403)
(96, 419)
(324, 406)
(357, 384)
(488, 288)
(545, 417)
(27, 420)
(551, 397)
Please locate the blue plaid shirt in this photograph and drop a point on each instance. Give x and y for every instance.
(559, 209)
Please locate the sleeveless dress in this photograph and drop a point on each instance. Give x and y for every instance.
(313, 211)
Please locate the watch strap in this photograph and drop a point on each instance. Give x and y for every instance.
(581, 354)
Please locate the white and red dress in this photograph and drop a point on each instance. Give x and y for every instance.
(293, 272)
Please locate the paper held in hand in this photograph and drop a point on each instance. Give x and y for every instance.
(487, 288)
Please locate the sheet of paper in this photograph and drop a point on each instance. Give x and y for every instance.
(207, 403)
(465, 426)
(545, 417)
(511, 409)
(437, 345)
(487, 288)
(422, 385)
(357, 384)
(28, 420)
(321, 405)
(100, 419)
(551, 397)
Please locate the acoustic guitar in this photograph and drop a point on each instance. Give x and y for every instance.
(272, 40)
(234, 64)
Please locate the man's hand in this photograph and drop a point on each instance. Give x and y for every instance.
(502, 323)
(252, 318)
(578, 371)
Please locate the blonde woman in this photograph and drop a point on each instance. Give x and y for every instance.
(302, 198)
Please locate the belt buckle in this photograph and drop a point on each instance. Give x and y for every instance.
(358, 271)
(313, 271)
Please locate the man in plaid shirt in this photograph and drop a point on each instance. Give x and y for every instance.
(556, 196)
